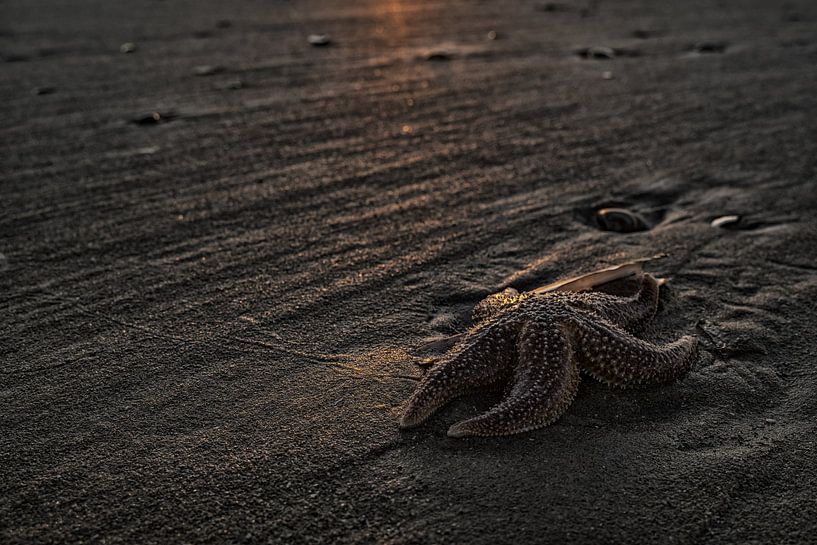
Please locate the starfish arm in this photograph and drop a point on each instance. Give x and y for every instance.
(629, 313)
(481, 360)
(613, 356)
(638, 310)
(544, 385)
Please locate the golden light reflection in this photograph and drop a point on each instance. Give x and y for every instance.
(392, 15)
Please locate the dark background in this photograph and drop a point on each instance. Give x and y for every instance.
(204, 321)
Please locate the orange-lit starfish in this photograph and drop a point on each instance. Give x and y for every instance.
(535, 344)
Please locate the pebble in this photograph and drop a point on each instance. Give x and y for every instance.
(438, 56)
(153, 118)
(642, 34)
(600, 53)
(607, 75)
(492, 35)
(47, 90)
(552, 7)
(127, 47)
(319, 40)
(207, 70)
(709, 47)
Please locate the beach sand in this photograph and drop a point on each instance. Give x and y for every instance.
(207, 314)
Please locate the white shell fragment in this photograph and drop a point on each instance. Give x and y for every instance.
(319, 40)
(725, 221)
(594, 279)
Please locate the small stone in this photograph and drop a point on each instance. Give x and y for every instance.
(642, 34)
(598, 53)
(47, 90)
(153, 118)
(771, 421)
(437, 56)
(319, 40)
(207, 70)
(607, 75)
(709, 47)
(492, 35)
(127, 47)
(552, 7)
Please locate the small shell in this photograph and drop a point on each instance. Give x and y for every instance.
(620, 220)
(319, 40)
(725, 222)
(599, 52)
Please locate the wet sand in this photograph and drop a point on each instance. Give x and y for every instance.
(205, 314)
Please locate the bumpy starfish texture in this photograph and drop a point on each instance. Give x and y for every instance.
(534, 345)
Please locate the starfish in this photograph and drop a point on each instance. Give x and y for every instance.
(534, 345)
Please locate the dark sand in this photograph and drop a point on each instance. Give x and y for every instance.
(203, 321)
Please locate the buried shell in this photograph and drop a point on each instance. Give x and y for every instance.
(620, 220)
